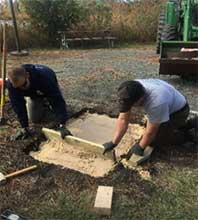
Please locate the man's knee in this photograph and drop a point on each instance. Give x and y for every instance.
(168, 137)
(35, 109)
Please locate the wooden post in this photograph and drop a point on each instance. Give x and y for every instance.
(3, 73)
(15, 27)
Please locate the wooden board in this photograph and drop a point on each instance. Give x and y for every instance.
(79, 142)
(136, 160)
(103, 200)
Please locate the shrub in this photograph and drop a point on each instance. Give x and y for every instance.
(50, 16)
(136, 21)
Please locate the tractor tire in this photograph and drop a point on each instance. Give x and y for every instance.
(160, 30)
(169, 33)
(195, 15)
(166, 32)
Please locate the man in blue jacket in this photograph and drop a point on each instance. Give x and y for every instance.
(37, 82)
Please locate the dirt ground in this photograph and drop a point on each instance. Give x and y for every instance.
(88, 80)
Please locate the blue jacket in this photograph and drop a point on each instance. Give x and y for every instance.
(42, 81)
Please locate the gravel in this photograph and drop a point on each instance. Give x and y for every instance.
(90, 79)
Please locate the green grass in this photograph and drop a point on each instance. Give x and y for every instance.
(135, 45)
(174, 197)
(61, 207)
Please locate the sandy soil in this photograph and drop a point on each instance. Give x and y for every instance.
(91, 127)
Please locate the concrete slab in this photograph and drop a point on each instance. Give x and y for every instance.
(79, 142)
(103, 200)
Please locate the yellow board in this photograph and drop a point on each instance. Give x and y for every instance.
(79, 142)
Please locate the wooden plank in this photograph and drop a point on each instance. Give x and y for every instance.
(103, 201)
(136, 160)
(79, 142)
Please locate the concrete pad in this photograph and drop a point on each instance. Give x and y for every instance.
(103, 200)
(92, 127)
(79, 142)
(136, 160)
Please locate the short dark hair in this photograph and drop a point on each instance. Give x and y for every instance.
(16, 73)
(129, 92)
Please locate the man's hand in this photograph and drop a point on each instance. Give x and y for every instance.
(135, 149)
(22, 134)
(64, 131)
(109, 146)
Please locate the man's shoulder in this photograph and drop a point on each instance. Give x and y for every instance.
(28, 66)
(34, 67)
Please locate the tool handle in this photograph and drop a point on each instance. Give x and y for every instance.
(3, 70)
(21, 171)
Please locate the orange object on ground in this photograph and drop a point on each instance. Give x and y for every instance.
(1, 82)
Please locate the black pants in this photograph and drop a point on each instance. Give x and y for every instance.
(172, 132)
(39, 110)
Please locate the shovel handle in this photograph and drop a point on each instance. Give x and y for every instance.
(21, 171)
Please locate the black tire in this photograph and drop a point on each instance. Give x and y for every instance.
(166, 32)
(160, 30)
(195, 15)
(169, 33)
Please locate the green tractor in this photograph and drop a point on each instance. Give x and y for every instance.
(177, 38)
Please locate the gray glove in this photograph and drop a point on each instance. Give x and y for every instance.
(109, 146)
(22, 134)
(64, 131)
(135, 149)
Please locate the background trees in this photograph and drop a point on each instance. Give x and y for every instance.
(40, 20)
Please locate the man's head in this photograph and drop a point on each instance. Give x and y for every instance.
(19, 78)
(130, 93)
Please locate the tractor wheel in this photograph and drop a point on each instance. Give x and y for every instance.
(195, 15)
(160, 30)
(166, 32)
(169, 33)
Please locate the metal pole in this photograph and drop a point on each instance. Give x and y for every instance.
(187, 21)
(3, 75)
(15, 27)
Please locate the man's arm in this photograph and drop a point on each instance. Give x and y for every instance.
(18, 103)
(149, 134)
(121, 127)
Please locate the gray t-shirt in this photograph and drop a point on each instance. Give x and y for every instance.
(162, 99)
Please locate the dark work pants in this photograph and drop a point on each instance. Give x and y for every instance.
(39, 110)
(172, 132)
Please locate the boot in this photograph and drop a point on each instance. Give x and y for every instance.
(192, 122)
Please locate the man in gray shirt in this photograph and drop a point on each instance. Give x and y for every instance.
(167, 110)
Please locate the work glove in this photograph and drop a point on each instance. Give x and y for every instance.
(109, 146)
(135, 149)
(22, 134)
(64, 131)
